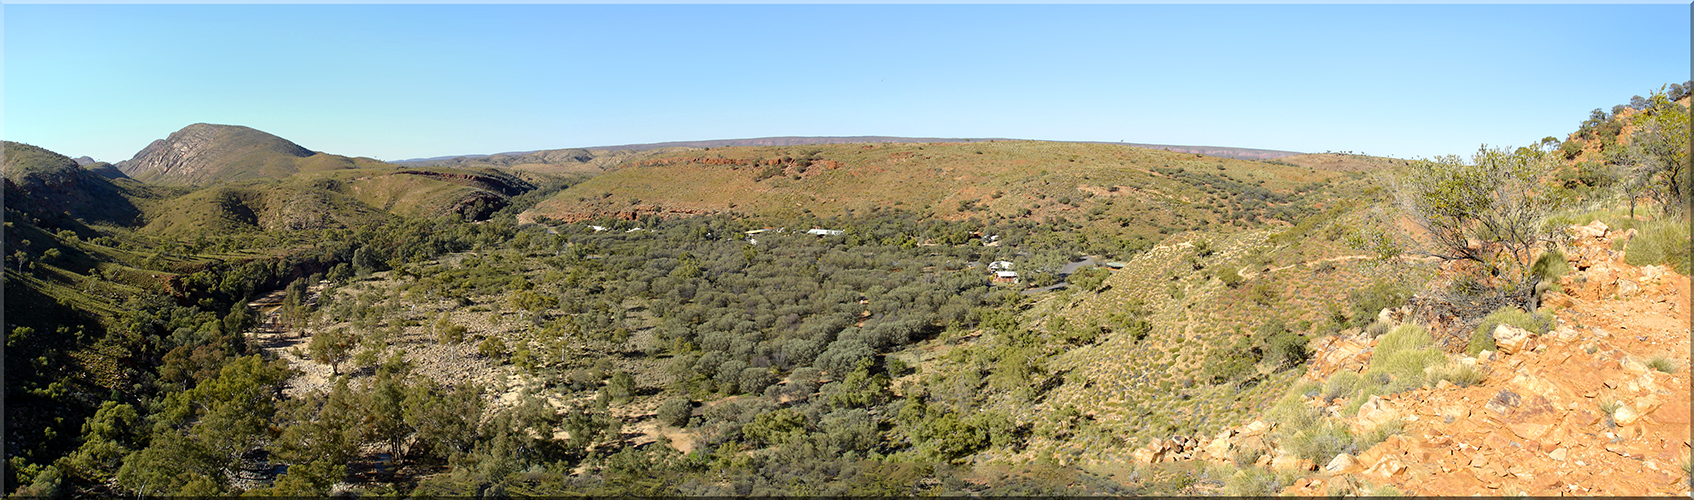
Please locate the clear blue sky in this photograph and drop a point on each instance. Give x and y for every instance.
(406, 81)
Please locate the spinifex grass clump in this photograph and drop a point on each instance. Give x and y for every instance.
(1256, 481)
(1661, 242)
(1396, 365)
(1459, 374)
(1662, 364)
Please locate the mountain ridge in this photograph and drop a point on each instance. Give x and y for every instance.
(203, 153)
(1226, 152)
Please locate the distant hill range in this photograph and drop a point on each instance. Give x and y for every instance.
(601, 158)
(1132, 193)
(224, 179)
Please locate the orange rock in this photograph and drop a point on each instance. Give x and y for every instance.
(1341, 463)
(1511, 339)
(1625, 415)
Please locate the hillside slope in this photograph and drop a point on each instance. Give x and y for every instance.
(1341, 162)
(203, 154)
(47, 184)
(1137, 195)
(337, 199)
(608, 154)
(1597, 406)
(549, 162)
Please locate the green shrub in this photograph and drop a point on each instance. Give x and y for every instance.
(675, 412)
(1386, 490)
(1255, 482)
(1379, 434)
(1230, 277)
(1406, 337)
(1661, 242)
(1550, 266)
(1460, 375)
(491, 347)
(621, 387)
(1293, 415)
(1405, 369)
(1322, 442)
(1262, 294)
(1480, 340)
(452, 334)
(1341, 385)
(1378, 296)
(1286, 349)
(775, 427)
(1662, 363)
(1089, 279)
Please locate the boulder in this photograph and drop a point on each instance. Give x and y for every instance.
(1147, 455)
(1511, 339)
(1652, 273)
(1374, 413)
(1647, 404)
(1219, 448)
(1627, 288)
(1566, 334)
(1536, 386)
(1625, 415)
(1503, 402)
(1594, 229)
(1633, 366)
(1341, 463)
(1387, 467)
(1528, 431)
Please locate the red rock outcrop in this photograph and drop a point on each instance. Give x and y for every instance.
(1598, 406)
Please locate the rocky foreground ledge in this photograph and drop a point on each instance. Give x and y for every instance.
(1599, 406)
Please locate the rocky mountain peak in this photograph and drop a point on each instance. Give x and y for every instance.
(200, 152)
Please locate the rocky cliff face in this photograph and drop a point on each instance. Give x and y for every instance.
(493, 181)
(203, 152)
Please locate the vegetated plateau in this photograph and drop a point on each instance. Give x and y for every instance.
(231, 313)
